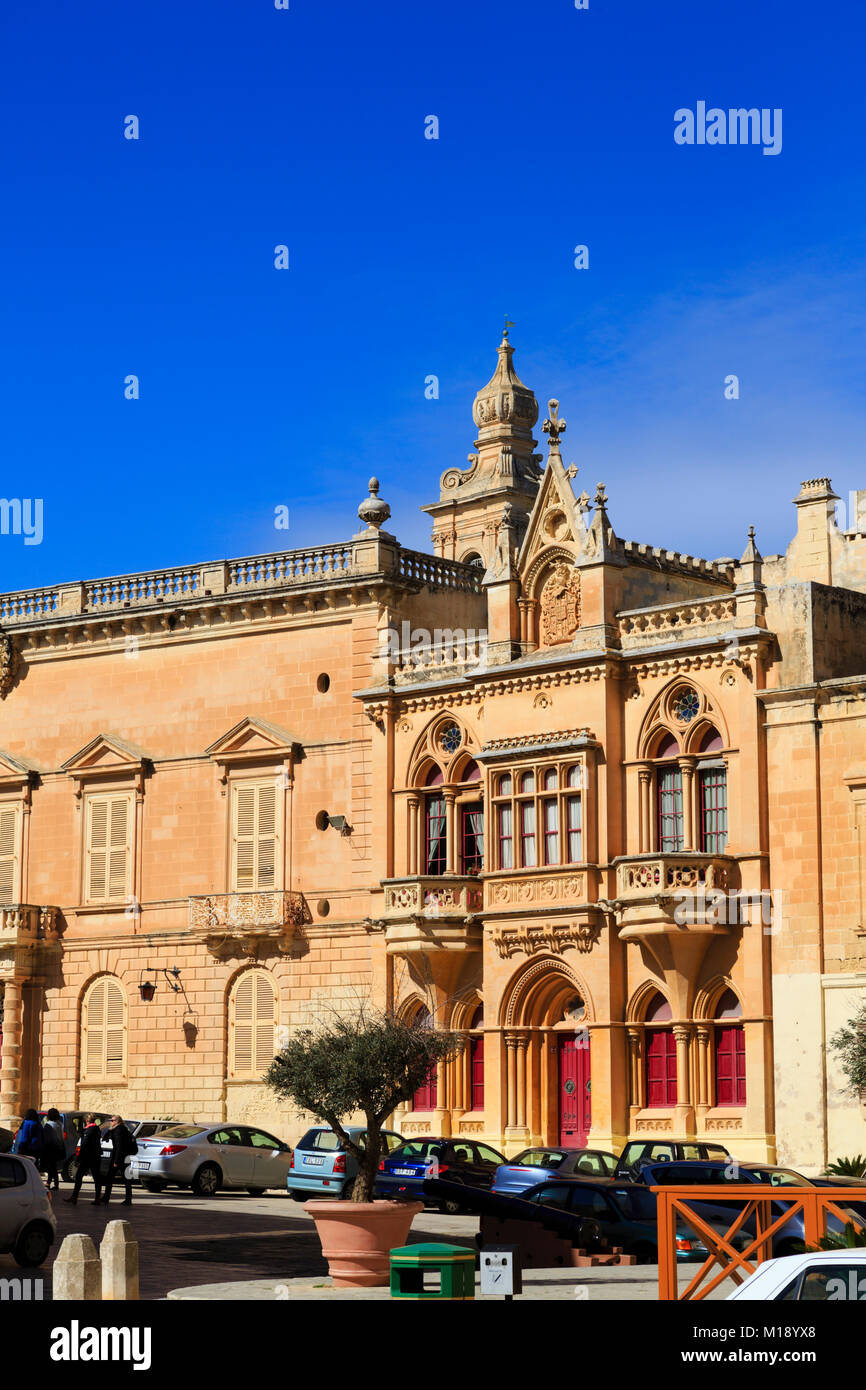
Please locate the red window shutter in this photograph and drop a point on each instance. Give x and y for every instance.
(661, 1068)
(730, 1065)
(476, 1067)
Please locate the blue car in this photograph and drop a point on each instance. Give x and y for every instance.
(532, 1166)
(403, 1173)
(322, 1167)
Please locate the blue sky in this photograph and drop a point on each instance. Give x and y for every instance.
(262, 388)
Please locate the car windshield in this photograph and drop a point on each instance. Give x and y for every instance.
(181, 1131)
(636, 1203)
(780, 1177)
(319, 1139)
(419, 1148)
(538, 1158)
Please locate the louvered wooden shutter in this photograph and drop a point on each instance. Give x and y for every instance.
(8, 853)
(104, 1042)
(253, 1025)
(108, 848)
(255, 838)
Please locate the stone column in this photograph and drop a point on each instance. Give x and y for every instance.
(636, 1079)
(450, 834)
(511, 1081)
(412, 858)
(442, 1099)
(687, 770)
(458, 1080)
(702, 1100)
(644, 775)
(685, 1120)
(522, 1046)
(10, 1066)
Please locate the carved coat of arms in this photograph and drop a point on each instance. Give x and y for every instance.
(560, 606)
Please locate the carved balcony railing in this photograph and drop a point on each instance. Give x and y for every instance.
(437, 573)
(245, 922)
(25, 923)
(642, 627)
(450, 650)
(678, 890)
(424, 914)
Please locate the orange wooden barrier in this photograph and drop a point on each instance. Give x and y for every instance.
(816, 1203)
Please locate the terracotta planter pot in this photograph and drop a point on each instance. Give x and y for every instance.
(357, 1238)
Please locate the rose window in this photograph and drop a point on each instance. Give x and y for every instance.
(686, 706)
(450, 738)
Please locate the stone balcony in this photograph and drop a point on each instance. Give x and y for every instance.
(425, 914)
(29, 938)
(672, 892)
(229, 923)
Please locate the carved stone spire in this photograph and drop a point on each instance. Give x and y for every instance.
(553, 427)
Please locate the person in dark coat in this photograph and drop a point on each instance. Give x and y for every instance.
(30, 1139)
(54, 1148)
(89, 1159)
(122, 1147)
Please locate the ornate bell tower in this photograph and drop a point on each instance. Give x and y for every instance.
(502, 479)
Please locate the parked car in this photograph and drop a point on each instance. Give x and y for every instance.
(73, 1128)
(820, 1276)
(788, 1177)
(209, 1157)
(639, 1151)
(402, 1173)
(626, 1214)
(322, 1167)
(532, 1166)
(27, 1223)
(788, 1240)
(7, 1138)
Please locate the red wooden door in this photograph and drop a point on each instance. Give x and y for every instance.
(476, 1067)
(730, 1065)
(661, 1068)
(575, 1092)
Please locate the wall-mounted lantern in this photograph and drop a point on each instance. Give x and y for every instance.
(147, 988)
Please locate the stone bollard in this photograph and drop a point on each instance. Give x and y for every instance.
(119, 1255)
(77, 1272)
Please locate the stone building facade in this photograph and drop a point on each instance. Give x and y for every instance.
(598, 806)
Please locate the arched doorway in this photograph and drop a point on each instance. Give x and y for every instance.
(548, 1056)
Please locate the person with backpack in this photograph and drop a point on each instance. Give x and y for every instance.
(30, 1140)
(123, 1146)
(54, 1148)
(89, 1160)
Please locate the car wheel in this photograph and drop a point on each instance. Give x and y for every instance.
(207, 1180)
(346, 1190)
(645, 1254)
(69, 1169)
(32, 1246)
(300, 1196)
(256, 1191)
(153, 1184)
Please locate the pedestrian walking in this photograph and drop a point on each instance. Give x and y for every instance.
(123, 1146)
(30, 1139)
(54, 1148)
(89, 1159)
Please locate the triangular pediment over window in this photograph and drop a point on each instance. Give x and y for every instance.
(557, 520)
(15, 772)
(109, 757)
(255, 738)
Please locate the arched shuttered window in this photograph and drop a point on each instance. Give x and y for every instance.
(103, 1031)
(252, 1025)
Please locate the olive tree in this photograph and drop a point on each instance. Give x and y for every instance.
(365, 1064)
(849, 1043)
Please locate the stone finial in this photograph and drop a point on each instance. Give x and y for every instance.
(553, 426)
(751, 554)
(119, 1255)
(600, 495)
(373, 512)
(77, 1272)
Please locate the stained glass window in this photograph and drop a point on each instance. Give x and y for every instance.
(686, 706)
(450, 738)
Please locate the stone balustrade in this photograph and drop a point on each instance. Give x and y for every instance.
(640, 627)
(446, 896)
(27, 922)
(661, 875)
(451, 650)
(246, 921)
(255, 573)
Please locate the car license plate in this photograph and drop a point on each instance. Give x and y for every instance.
(140, 1167)
(405, 1172)
(314, 1161)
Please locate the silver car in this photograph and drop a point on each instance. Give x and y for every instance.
(27, 1221)
(209, 1157)
(139, 1129)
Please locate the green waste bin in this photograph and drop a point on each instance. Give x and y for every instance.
(455, 1265)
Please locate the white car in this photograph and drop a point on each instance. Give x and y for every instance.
(826, 1276)
(27, 1221)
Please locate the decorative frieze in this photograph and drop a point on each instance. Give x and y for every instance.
(552, 937)
(247, 921)
(543, 889)
(716, 1126)
(433, 897)
(653, 1126)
